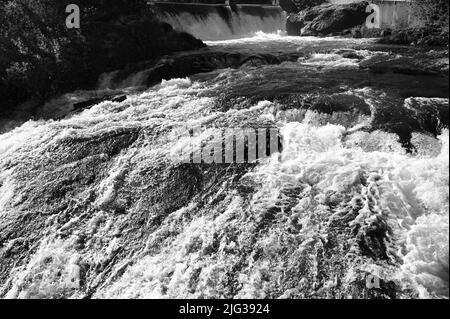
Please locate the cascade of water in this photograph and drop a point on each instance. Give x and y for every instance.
(222, 22)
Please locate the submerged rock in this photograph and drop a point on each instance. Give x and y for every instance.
(416, 115)
(428, 63)
(188, 63)
(85, 104)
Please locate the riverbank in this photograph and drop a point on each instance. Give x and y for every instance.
(349, 20)
(41, 58)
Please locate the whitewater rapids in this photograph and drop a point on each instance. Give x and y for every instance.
(94, 204)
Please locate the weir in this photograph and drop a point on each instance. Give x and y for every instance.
(396, 14)
(221, 19)
(255, 3)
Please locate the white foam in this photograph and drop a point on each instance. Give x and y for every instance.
(214, 27)
(53, 272)
(410, 191)
(331, 60)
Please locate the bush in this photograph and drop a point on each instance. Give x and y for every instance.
(295, 6)
(434, 13)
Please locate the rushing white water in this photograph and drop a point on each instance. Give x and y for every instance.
(226, 25)
(325, 158)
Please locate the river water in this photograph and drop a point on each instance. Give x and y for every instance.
(94, 204)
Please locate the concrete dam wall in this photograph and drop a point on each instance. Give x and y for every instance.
(217, 21)
(396, 14)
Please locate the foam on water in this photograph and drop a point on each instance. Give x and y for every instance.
(410, 192)
(278, 40)
(55, 272)
(325, 157)
(226, 23)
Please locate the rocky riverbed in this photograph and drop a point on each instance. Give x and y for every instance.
(93, 204)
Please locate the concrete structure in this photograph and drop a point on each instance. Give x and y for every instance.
(392, 13)
(396, 14)
(220, 2)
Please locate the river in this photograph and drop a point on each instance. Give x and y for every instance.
(95, 203)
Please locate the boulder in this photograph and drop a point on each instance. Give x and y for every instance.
(386, 33)
(432, 114)
(356, 33)
(326, 19)
(80, 106)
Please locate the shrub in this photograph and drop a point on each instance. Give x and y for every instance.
(434, 13)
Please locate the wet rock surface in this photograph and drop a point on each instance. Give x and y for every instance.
(306, 90)
(190, 63)
(85, 104)
(428, 63)
(97, 204)
(326, 19)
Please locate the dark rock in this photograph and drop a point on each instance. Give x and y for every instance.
(372, 239)
(119, 98)
(356, 33)
(296, 22)
(417, 114)
(337, 103)
(294, 25)
(352, 55)
(327, 19)
(386, 33)
(194, 62)
(432, 114)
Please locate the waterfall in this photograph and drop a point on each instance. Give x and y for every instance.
(222, 22)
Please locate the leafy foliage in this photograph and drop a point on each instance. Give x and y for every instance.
(294, 6)
(433, 12)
